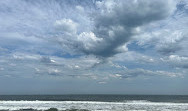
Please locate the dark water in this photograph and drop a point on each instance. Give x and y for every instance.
(102, 98)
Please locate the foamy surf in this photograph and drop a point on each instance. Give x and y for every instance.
(93, 105)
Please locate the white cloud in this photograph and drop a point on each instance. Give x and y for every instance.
(134, 57)
(165, 41)
(131, 73)
(89, 41)
(24, 56)
(80, 8)
(176, 61)
(66, 26)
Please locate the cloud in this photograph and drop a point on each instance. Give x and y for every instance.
(67, 26)
(131, 73)
(117, 20)
(133, 56)
(169, 36)
(80, 8)
(176, 61)
(113, 26)
(165, 41)
(47, 60)
(87, 39)
(41, 23)
(71, 24)
(25, 65)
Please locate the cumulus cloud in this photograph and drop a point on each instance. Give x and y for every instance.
(117, 19)
(104, 34)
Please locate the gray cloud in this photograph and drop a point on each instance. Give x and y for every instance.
(116, 22)
(72, 24)
(168, 36)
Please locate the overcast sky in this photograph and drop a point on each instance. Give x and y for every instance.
(93, 46)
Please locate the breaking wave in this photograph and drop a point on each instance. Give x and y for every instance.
(89, 106)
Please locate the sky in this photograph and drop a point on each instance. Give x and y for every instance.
(94, 47)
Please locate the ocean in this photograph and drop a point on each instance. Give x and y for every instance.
(93, 103)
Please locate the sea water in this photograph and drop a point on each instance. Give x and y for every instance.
(94, 103)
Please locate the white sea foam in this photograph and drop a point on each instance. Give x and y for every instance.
(94, 106)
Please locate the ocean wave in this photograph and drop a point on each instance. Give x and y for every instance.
(137, 101)
(51, 109)
(91, 105)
